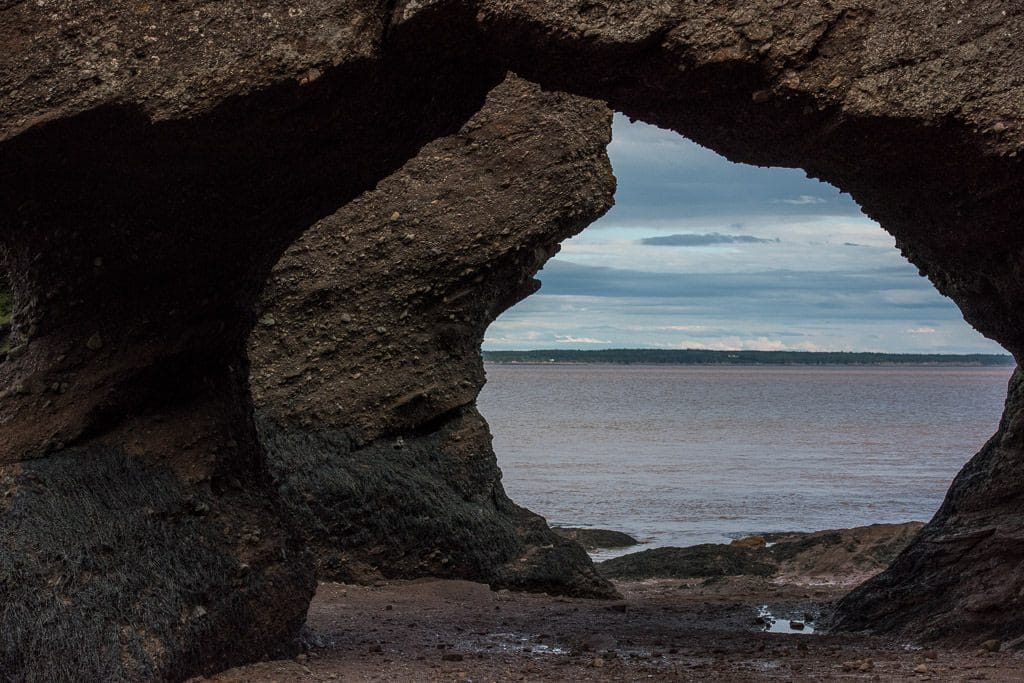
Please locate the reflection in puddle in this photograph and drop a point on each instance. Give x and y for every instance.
(773, 624)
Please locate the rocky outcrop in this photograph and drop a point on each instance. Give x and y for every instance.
(961, 579)
(366, 358)
(597, 539)
(155, 161)
(918, 112)
(6, 308)
(157, 158)
(834, 557)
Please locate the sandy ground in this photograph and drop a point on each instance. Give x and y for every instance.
(664, 630)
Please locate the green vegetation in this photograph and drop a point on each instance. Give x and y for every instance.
(6, 309)
(703, 357)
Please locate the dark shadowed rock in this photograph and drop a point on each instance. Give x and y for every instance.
(594, 539)
(155, 161)
(835, 556)
(157, 158)
(366, 381)
(684, 563)
(970, 554)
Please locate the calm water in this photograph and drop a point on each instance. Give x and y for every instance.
(679, 455)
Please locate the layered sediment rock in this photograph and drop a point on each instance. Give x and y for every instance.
(157, 158)
(961, 581)
(155, 161)
(366, 361)
(918, 112)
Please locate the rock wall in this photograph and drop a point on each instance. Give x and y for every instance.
(366, 359)
(157, 158)
(155, 161)
(918, 112)
(961, 580)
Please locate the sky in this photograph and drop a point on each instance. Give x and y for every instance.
(702, 253)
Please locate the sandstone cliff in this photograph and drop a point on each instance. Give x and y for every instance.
(366, 359)
(156, 159)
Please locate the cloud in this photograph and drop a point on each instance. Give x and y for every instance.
(707, 239)
(802, 200)
(563, 339)
(871, 291)
(809, 291)
(663, 176)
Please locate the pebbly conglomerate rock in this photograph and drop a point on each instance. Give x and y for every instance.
(155, 161)
(918, 112)
(366, 359)
(157, 158)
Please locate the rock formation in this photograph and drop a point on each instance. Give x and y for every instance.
(918, 112)
(157, 158)
(155, 161)
(366, 359)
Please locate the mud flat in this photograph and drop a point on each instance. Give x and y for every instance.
(700, 628)
(431, 630)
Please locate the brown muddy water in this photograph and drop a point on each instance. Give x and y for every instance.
(680, 455)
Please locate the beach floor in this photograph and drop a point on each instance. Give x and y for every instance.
(665, 630)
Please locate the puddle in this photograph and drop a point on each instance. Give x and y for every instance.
(773, 624)
(519, 642)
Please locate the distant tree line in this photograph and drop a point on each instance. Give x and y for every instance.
(705, 357)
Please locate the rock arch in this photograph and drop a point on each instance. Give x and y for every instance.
(157, 158)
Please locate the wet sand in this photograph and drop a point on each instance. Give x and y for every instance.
(665, 630)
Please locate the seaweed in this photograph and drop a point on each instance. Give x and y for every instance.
(110, 570)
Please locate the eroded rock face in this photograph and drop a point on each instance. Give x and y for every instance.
(157, 158)
(155, 161)
(961, 581)
(366, 360)
(918, 112)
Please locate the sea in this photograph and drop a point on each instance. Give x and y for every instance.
(680, 455)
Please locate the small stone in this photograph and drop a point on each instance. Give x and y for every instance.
(930, 654)
(597, 662)
(993, 645)
(268, 320)
(761, 96)
(921, 669)
(796, 625)
(395, 216)
(301, 658)
(198, 612)
(999, 127)
(95, 342)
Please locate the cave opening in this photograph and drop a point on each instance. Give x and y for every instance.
(702, 254)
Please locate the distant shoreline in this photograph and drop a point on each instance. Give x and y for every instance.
(703, 357)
